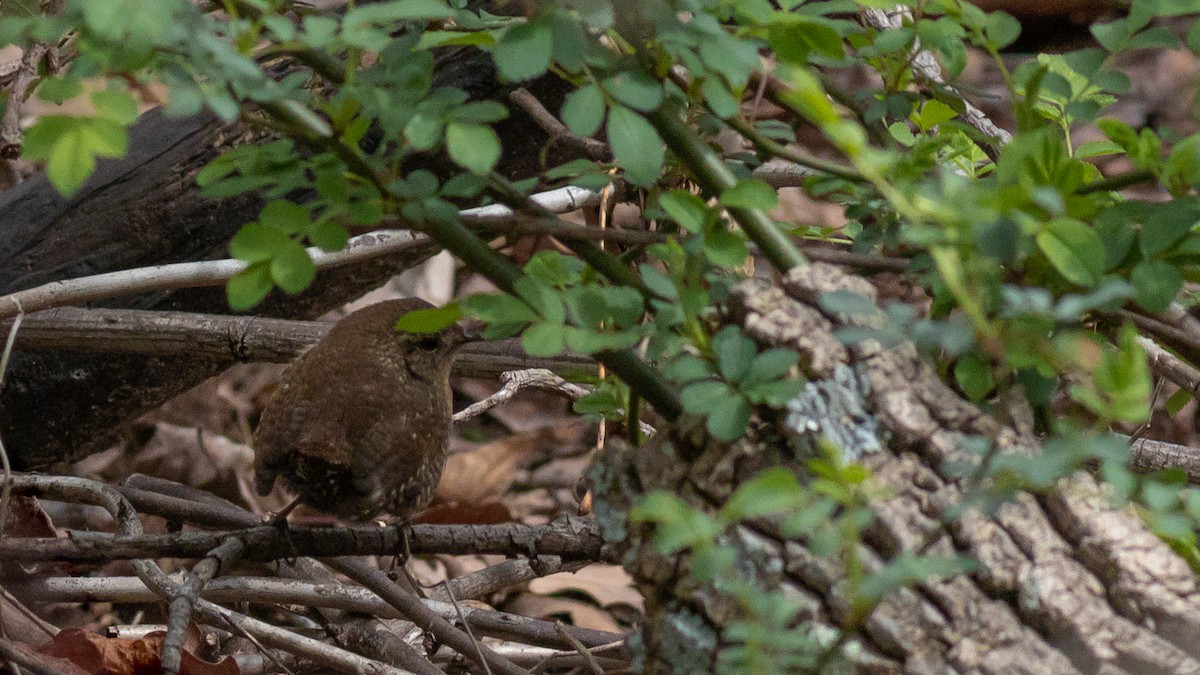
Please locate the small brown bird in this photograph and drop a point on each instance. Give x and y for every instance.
(361, 422)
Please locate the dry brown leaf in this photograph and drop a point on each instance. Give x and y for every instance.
(485, 473)
(99, 655)
(607, 584)
(487, 513)
(190, 456)
(577, 612)
(25, 518)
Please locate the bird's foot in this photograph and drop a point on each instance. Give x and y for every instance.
(280, 519)
(401, 558)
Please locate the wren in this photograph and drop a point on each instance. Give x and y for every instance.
(360, 423)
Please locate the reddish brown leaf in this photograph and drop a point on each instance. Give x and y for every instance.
(99, 655)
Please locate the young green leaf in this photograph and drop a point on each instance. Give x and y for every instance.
(583, 110)
(248, 287)
(473, 146)
(524, 51)
(429, 320)
(1074, 249)
(636, 145)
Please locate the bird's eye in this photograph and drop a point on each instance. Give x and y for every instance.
(428, 343)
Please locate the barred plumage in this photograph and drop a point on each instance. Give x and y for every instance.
(360, 423)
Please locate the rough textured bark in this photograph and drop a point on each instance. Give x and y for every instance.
(60, 405)
(1066, 583)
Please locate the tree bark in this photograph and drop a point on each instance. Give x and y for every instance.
(1065, 582)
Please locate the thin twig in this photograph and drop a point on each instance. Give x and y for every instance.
(558, 132)
(463, 620)
(583, 651)
(179, 614)
(533, 378)
(317, 651)
(926, 67)
(216, 272)
(6, 489)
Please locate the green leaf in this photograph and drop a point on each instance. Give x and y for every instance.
(589, 341)
(256, 242)
(725, 247)
(583, 110)
(1157, 284)
(661, 284)
(636, 146)
(729, 421)
(1182, 167)
(291, 268)
(555, 268)
(475, 147)
(328, 235)
(365, 26)
(424, 130)
(974, 377)
(733, 58)
(679, 525)
(1002, 29)
(601, 401)
(771, 491)
(774, 393)
(1165, 225)
(285, 216)
(479, 112)
(793, 38)
(1177, 400)
(934, 112)
(59, 89)
(908, 569)
(770, 365)
(542, 297)
(429, 320)
(635, 89)
(689, 368)
(735, 352)
(1124, 377)
(248, 287)
(719, 98)
(524, 51)
(1074, 249)
(686, 209)
(115, 105)
(703, 397)
(750, 193)
(505, 315)
(544, 339)
(70, 146)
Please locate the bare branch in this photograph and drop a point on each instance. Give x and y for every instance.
(268, 590)
(216, 272)
(926, 67)
(246, 338)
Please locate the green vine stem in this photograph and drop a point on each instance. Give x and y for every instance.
(714, 178)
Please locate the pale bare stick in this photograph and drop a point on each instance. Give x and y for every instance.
(926, 67)
(533, 378)
(216, 272)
